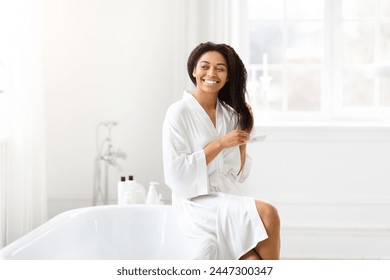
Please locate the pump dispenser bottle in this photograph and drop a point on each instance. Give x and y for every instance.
(153, 197)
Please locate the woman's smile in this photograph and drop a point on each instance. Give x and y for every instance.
(211, 72)
(210, 81)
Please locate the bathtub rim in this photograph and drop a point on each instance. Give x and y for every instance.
(59, 220)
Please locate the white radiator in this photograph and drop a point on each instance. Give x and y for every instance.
(3, 184)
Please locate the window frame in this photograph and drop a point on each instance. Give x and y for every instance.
(331, 107)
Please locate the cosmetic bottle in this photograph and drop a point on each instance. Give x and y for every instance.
(160, 198)
(121, 190)
(128, 198)
(136, 191)
(153, 197)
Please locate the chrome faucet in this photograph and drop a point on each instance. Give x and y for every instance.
(107, 156)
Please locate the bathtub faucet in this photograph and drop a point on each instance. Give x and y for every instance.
(106, 156)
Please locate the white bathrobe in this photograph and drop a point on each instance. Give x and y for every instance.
(206, 198)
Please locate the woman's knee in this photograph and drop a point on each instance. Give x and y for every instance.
(268, 213)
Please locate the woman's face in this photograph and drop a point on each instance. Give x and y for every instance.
(211, 72)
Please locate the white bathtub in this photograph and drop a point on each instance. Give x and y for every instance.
(138, 232)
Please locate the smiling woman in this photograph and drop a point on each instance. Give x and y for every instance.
(229, 73)
(204, 151)
(210, 79)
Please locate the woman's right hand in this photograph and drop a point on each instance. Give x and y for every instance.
(234, 138)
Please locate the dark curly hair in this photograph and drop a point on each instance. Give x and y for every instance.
(233, 92)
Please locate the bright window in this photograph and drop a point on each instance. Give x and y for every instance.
(324, 58)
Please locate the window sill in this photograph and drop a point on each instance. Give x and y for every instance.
(353, 124)
(313, 120)
(373, 130)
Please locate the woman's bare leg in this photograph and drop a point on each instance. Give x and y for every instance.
(251, 255)
(269, 249)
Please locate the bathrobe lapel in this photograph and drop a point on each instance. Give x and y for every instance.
(214, 132)
(204, 118)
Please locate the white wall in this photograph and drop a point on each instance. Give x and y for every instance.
(105, 60)
(332, 188)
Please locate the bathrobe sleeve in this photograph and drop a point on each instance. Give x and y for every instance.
(185, 171)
